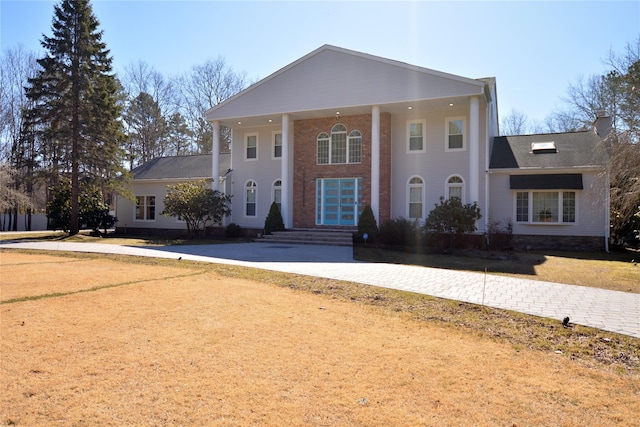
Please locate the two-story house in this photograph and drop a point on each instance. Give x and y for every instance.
(338, 130)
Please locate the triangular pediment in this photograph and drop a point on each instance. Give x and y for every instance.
(332, 77)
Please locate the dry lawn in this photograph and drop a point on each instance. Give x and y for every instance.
(119, 343)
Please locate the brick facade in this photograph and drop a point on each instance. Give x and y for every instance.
(306, 170)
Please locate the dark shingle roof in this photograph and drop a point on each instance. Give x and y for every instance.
(180, 167)
(573, 149)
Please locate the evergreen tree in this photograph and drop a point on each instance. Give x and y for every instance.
(147, 130)
(274, 220)
(367, 224)
(76, 103)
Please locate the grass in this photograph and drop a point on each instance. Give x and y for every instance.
(113, 239)
(169, 342)
(588, 345)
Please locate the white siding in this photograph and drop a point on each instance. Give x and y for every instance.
(334, 78)
(125, 209)
(590, 212)
(436, 164)
(263, 171)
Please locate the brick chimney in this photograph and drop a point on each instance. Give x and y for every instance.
(602, 124)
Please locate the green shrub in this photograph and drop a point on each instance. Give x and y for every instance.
(401, 232)
(274, 220)
(233, 231)
(452, 218)
(367, 224)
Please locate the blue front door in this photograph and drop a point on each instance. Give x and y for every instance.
(339, 201)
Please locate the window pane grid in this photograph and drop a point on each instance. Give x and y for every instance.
(355, 147)
(522, 207)
(339, 148)
(568, 206)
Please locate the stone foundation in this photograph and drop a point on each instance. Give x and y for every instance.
(563, 243)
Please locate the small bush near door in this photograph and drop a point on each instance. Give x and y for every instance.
(274, 220)
(367, 224)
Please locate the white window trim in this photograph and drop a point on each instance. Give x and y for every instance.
(145, 208)
(349, 142)
(424, 136)
(246, 200)
(408, 196)
(447, 186)
(446, 134)
(273, 144)
(246, 146)
(530, 207)
(328, 148)
(348, 146)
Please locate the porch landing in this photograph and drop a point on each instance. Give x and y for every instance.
(310, 236)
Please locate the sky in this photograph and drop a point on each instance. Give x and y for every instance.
(534, 49)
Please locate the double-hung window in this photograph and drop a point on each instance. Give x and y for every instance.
(416, 137)
(539, 207)
(277, 145)
(145, 208)
(251, 146)
(455, 134)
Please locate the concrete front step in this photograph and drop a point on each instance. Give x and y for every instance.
(309, 237)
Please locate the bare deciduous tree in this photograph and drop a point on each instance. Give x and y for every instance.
(203, 87)
(514, 123)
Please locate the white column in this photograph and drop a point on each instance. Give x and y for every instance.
(375, 162)
(284, 172)
(215, 156)
(474, 149)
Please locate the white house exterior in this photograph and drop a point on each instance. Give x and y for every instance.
(338, 130)
(150, 181)
(356, 130)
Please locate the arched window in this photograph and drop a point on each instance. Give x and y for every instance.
(277, 193)
(355, 146)
(415, 192)
(338, 147)
(323, 148)
(339, 144)
(250, 199)
(455, 187)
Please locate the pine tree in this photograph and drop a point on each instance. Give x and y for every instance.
(76, 102)
(274, 221)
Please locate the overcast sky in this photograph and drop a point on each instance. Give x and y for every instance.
(534, 49)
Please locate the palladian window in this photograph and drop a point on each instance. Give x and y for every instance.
(339, 147)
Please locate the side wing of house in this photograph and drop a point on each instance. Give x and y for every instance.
(552, 189)
(149, 186)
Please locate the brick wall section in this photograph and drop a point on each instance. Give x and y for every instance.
(306, 171)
